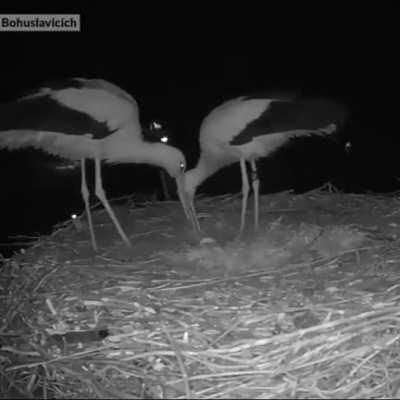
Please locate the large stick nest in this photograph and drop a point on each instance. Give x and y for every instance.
(307, 308)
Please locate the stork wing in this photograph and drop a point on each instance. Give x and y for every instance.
(102, 101)
(43, 113)
(76, 107)
(286, 116)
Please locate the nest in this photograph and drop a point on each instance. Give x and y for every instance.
(307, 308)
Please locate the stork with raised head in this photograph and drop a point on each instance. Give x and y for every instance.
(80, 119)
(247, 128)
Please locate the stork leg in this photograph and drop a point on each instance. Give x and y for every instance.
(245, 192)
(85, 195)
(102, 197)
(256, 187)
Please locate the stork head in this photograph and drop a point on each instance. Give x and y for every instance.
(206, 166)
(174, 162)
(171, 159)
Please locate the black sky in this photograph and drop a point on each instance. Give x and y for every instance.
(155, 53)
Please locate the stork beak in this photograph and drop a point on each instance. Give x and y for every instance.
(187, 204)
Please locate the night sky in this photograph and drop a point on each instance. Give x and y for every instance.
(179, 64)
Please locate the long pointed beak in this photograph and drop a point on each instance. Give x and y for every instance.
(187, 204)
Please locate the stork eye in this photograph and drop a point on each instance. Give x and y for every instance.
(182, 166)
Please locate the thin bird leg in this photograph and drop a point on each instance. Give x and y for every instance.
(245, 192)
(256, 186)
(102, 197)
(85, 195)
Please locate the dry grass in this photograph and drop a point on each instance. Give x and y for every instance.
(307, 309)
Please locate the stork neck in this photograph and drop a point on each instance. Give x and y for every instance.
(205, 167)
(125, 149)
(149, 153)
(155, 153)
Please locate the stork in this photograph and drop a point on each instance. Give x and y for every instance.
(81, 119)
(247, 128)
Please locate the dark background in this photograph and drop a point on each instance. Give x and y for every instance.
(180, 63)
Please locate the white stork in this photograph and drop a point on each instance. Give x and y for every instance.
(87, 118)
(247, 128)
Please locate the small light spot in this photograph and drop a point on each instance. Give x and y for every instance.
(164, 139)
(156, 125)
(74, 216)
(66, 167)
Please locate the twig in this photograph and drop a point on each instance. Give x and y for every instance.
(46, 276)
(180, 363)
(227, 331)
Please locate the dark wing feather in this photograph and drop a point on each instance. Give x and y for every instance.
(284, 116)
(43, 113)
